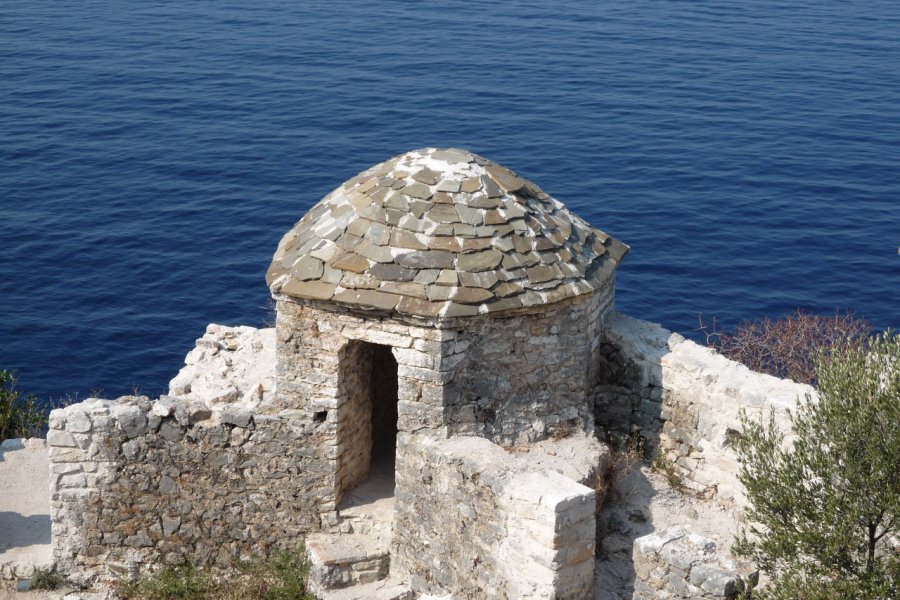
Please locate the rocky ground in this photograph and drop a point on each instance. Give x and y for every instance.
(641, 502)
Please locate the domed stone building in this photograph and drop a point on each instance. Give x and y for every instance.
(430, 431)
(436, 296)
(423, 414)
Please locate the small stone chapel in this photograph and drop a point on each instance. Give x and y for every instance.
(436, 295)
(431, 431)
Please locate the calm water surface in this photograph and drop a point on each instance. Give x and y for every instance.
(152, 153)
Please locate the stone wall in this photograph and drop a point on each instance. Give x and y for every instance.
(685, 400)
(310, 339)
(355, 430)
(478, 521)
(511, 379)
(135, 482)
(521, 378)
(331, 397)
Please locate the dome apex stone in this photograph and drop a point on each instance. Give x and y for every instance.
(441, 233)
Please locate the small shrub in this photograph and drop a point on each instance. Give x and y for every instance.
(20, 416)
(788, 347)
(183, 582)
(627, 451)
(662, 464)
(282, 576)
(44, 579)
(288, 572)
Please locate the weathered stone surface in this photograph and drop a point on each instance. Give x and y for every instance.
(392, 272)
(415, 306)
(349, 262)
(449, 244)
(356, 281)
(434, 200)
(379, 300)
(308, 268)
(434, 259)
(503, 178)
(167, 500)
(449, 185)
(315, 290)
(418, 190)
(484, 279)
(527, 518)
(443, 213)
(479, 261)
(404, 288)
(469, 295)
(541, 274)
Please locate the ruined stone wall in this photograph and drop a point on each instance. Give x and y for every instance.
(228, 365)
(134, 483)
(355, 430)
(685, 399)
(476, 521)
(523, 377)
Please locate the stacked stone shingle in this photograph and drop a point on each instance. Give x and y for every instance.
(441, 233)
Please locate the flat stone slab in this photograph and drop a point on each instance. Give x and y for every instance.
(344, 548)
(24, 507)
(386, 589)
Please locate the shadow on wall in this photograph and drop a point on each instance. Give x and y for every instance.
(19, 531)
(628, 417)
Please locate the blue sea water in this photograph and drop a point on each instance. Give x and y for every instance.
(152, 153)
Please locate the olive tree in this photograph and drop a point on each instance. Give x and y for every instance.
(823, 509)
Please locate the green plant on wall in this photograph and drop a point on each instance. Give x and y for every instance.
(20, 416)
(823, 511)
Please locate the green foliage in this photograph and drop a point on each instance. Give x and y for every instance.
(287, 574)
(823, 509)
(44, 579)
(282, 577)
(662, 464)
(184, 582)
(20, 416)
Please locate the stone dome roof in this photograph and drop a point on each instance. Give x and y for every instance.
(441, 233)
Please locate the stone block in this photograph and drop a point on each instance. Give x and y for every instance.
(77, 421)
(59, 438)
(237, 416)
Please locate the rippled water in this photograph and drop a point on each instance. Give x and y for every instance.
(152, 153)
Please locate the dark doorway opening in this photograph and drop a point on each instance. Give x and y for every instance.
(384, 408)
(367, 424)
